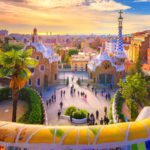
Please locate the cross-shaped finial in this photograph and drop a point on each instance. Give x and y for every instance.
(120, 12)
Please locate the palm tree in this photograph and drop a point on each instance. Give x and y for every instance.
(15, 65)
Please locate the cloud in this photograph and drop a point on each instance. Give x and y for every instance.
(101, 5)
(68, 16)
(142, 1)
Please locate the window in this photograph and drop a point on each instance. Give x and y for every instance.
(32, 70)
(30, 82)
(55, 76)
(38, 82)
(42, 68)
(38, 57)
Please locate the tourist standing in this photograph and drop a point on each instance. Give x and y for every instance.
(61, 105)
(97, 114)
(101, 121)
(59, 113)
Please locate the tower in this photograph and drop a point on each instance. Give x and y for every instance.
(35, 37)
(120, 55)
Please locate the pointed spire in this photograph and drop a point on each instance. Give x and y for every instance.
(119, 52)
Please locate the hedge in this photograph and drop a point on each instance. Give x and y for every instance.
(119, 100)
(34, 113)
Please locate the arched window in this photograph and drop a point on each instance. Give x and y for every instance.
(30, 82)
(38, 82)
(38, 57)
(42, 67)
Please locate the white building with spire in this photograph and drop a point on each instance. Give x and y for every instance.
(108, 67)
(46, 72)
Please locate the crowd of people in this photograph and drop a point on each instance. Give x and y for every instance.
(80, 94)
(107, 95)
(94, 119)
(52, 99)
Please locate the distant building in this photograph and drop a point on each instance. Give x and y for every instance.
(139, 45)
(46, 73)
(79, 62)
(106, 69)
(3, 34)
(146, 66)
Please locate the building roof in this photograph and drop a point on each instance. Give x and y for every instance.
(47, 51)
(103, 56)
(101, 136)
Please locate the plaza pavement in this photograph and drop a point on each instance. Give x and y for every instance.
(6, 110)
(92, 103)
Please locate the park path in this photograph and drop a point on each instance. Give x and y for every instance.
(92, 103)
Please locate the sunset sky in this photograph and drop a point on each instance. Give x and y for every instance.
(73, 16)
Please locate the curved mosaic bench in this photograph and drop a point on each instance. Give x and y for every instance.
(129, 135)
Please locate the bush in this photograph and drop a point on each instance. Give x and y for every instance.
(34, 112)
(5, 94)
(79, 114)
(76, 113)
(70, 110)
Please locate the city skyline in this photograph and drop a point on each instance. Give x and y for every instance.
(74, 17)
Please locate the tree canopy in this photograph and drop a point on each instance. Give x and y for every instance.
(8, 47)
(73, 52)
(16, 65)
(134, 90)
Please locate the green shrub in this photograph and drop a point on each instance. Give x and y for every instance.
(110, 114)
(79, 114)
(34, 112)
(70, 110)
(5, 94)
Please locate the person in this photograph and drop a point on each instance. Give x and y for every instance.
(106, 96)
(105, 110)
(47, 103)
(102, 92)
(101, 121)
(61, 104)
(52, 98)
(71, 118)
(64, 92)
(61, 93)
(78, 93)
(88, 118)
(55, 97)
(95, 93)
(105, 120)
(59, 113)
(97, 114)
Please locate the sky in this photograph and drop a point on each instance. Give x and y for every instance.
(74, 16)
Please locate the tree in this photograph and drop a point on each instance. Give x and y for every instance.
(135, 92)
(138, 66)
(15, 65)
(73, 52)
(9, 47)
